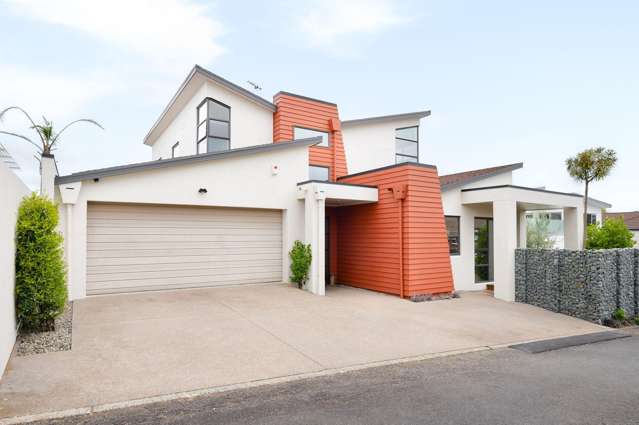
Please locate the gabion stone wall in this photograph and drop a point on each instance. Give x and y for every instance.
(585, 284)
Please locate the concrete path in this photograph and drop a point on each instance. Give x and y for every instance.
(147, 344)
(590, 384)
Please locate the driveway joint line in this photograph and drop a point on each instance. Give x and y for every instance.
(273, 335)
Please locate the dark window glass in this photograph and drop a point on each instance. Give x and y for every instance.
(483, 250)
(403, 158)
(591, 218)
(214, 127)
(217, 145)
(407, 144)
(405, 147)
(306, 133)
(317, 173)
(219, 129)
(452, 228)
(409, 133)
(219, 112)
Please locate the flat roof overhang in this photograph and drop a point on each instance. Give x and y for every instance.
(339, 194)
(530, 198)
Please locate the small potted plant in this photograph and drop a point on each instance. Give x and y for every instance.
(301, 258)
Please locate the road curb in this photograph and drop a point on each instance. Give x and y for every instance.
(220, 389)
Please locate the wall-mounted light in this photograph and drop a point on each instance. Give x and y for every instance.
(97, 179)
(202, 191)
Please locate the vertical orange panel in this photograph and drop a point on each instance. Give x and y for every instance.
(298, 111)
(370, 254)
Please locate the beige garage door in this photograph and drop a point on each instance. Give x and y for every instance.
(147, 247)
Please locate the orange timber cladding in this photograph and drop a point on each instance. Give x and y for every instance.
(367, 249)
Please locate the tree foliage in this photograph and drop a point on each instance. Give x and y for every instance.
(48, 137)
(591, 165)
(41, 290)
(301, 258)
(538, 233)
(613, 233)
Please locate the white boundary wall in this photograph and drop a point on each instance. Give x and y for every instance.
(12, 190)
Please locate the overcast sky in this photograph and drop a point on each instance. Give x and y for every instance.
(506, 81)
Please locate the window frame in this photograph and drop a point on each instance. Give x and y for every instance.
(173, 148)
(206, 120)
(328, 171)
(415, 157)
(588, 216)
(458, 235)
(328, 136)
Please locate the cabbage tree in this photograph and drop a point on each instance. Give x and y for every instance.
(47, 136)
(591, 165)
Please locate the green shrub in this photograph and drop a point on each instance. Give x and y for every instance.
(538, 233)
(41, 290)
(636, 320)
(301, 257)
(619, 314)
(613, 233)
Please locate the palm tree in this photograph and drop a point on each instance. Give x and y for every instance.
(45, 131)
(591, 165)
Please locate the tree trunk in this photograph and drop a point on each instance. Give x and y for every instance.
(585, 216)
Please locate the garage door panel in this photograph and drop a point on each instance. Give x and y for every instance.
(179, 273)
(153, 213)
(222, 235)
(191, 229)
(156, 287)
(160, 268)
(141, 253)
(186, 281)
(255, 255)
(133, 247)
(111, 264)
(184, 246)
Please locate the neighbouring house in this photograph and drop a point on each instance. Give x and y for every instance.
(235, 179)
(596, 210)
(631, 218)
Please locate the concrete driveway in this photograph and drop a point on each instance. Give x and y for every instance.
(141, 345)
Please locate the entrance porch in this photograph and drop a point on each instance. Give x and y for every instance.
(494, 218)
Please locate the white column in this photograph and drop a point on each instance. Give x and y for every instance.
(319, 254)
(74, 239)
(573, 228)
(523, 229)
(505, 242)
(314, 204)
(48, 171)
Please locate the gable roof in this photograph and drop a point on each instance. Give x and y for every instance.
(631, 218)
(382, 118)
(182, 160)
(451, 181)
(199, 72)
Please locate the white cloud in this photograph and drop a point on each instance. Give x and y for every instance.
(164, 31)
(327, 22)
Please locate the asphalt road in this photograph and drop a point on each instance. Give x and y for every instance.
(590, 384)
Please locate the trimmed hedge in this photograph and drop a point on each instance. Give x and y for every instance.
(41, 290)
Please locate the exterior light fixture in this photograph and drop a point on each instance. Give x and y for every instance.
(202, 191)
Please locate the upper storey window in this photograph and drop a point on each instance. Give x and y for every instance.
(213, 126)
(307, 133)
(407, 144)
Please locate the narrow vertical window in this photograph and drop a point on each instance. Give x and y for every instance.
(452, 228)
(213, 126)
(407, 144)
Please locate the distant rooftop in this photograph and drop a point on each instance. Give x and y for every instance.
(631, 218)
(451, 181)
